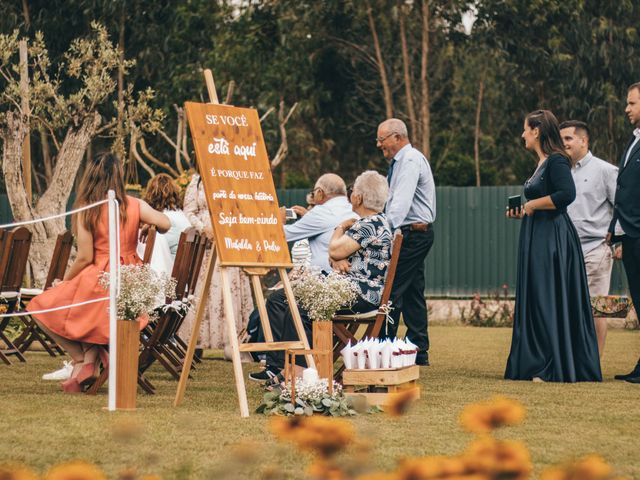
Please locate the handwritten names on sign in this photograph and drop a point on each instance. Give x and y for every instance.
(236, 176)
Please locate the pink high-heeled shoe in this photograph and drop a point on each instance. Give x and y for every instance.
(71, 386)
(87, 373)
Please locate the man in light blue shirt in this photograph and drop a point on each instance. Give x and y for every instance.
(411, 207)
(331, 207)
(591, 212)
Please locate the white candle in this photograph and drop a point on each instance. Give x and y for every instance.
(309, 375)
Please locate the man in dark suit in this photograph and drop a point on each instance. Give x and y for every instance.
(626, 213)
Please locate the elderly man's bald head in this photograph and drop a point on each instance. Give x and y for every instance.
(394, 125)
(332, 185)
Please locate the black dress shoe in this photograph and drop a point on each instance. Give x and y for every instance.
(634, 373)
(422, 359)
(633, 379)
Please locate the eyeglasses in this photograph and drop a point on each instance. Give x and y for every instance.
(349, 192)
(382, 139)
(313, 192)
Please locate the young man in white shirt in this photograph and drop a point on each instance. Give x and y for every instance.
(591, 211)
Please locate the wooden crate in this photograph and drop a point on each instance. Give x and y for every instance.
(378, 386)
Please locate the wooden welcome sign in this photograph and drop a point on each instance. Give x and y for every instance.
(241, 197)
(236, 173)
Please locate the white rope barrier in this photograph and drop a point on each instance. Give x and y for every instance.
(25, 313)
(51, 217)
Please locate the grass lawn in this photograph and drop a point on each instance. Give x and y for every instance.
(206, 438)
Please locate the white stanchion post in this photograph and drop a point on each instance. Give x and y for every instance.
(113, 309)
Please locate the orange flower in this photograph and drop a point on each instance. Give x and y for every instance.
(399, 403)
(486, 416)
(498, 458)
(425, 468)
(379, 476)
(322, 470)
(591, 467)
(76, 470)
(16, 472)
(323, 435)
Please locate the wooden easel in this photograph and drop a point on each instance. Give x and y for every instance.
(255, 271)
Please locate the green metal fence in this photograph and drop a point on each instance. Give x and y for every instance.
(475, 246)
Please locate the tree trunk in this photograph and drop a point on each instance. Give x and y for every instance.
(425, 111)
(406, 64)
(476, 131)
(386, 89)
(54, 199)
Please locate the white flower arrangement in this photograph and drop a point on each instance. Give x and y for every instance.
(322, 295)
(311, 398)
(140, 289)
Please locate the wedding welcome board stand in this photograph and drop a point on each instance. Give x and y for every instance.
(241, 197)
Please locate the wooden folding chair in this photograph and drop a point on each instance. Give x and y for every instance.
(154, 337)
(57, 269)
(13, 264)
(345, 327)
(163, 344)
(151, 241)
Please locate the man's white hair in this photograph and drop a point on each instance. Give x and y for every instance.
(395, 125)
(332, 184)
(373, 188)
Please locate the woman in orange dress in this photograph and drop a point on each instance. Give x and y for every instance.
(81, 330)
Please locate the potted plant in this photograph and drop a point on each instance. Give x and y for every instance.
(321, 296)
(142, 290)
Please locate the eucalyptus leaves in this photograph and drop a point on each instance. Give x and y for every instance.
(311, 398)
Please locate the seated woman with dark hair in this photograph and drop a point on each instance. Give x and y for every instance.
(361, 249)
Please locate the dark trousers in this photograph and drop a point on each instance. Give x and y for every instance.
(631, 262)
(282, 327)
(407, 294)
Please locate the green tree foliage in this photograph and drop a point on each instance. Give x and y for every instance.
(575, 57)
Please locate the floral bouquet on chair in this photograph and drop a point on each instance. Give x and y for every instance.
(142, 290)
(322, 295)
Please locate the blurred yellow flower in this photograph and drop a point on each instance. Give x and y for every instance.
(399, 403)
(16, 472)
(76, 470)
(379, 476)
(591, 467)
(322, 435)
(320, 470)
(431, 467)
(486, 416)
(498, 458)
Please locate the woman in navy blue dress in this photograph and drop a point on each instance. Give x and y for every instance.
(554, 337)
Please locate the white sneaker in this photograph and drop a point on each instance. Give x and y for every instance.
(63, 374)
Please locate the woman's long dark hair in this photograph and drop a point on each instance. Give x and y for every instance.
(547, 124)
(104, 173)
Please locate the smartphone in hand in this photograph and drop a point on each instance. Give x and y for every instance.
(290, 214)
(514, 205)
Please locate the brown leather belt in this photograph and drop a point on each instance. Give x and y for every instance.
(416, 227)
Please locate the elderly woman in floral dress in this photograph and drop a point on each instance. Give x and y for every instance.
(361, 249)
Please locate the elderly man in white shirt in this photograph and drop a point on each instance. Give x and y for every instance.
(592, 211)
(331, 207)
